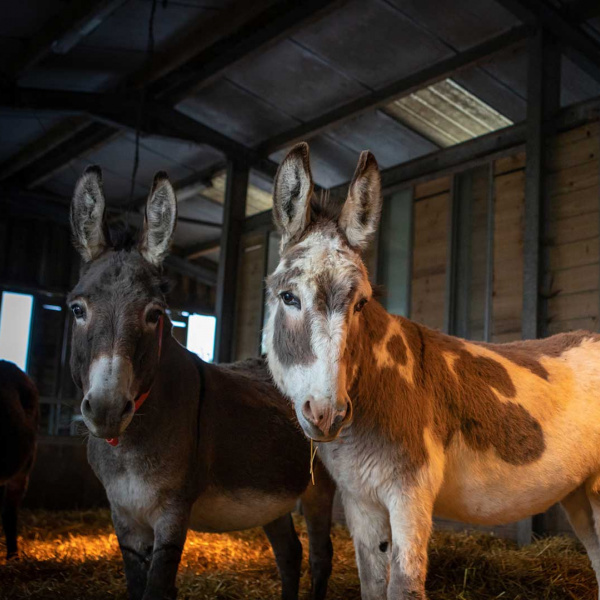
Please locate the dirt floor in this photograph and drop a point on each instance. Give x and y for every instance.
(72, 555)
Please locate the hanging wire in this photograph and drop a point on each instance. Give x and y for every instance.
(141, 106)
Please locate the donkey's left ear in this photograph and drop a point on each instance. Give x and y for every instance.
(159, 224)
(360, 214)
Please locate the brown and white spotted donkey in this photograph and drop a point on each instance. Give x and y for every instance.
(213, 447)
(417, 422)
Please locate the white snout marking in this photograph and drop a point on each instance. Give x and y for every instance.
(110, 375)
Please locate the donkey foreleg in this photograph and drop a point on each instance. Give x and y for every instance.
(411, 517)
(317, 504)
(135, 542)
(170, 532)
(288, 554)
(369, 525)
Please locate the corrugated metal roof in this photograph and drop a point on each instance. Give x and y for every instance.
(359, 47)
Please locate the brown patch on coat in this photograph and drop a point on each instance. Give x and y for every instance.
(458, 399)
(292, 338)
(397, 349)
(527, 354)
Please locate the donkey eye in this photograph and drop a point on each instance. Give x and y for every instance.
(289, 299)
(360, 305)
(78, 311)
(153, 316)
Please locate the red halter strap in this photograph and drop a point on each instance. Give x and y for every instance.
(143, 397)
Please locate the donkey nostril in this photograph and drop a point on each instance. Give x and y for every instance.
(86, 407)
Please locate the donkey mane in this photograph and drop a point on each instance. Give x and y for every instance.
(122, 237)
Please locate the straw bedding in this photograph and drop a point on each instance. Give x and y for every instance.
(71, 555)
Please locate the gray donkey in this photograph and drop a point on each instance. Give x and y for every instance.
(214, 447)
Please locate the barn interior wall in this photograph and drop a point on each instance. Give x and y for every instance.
(573, 231)
(250, 296)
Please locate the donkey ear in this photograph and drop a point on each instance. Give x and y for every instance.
(292, 193)
(159, 224)
(360, 214)
(87, 215)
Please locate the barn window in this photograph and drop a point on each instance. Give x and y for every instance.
(201, 336)
(15, 327)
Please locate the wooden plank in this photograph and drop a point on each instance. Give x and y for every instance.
(573, 306)
(576, 202)
(507, 300)
(507, 164)
(574, 228)
(564, 155)
(432, 187)
(574, 254)
(577, 279)
(574, 135)
(429, 258)
(572, 179)
(249, 297)
(586, 323)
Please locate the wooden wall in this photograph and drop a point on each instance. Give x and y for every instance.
(572, 245)
(430, 235)
(249, 310)
(509, 202)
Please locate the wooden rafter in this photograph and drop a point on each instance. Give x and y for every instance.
(403, 87)
(579, 46)
(62, 32)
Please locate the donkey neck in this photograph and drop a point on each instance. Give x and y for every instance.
(411, 382)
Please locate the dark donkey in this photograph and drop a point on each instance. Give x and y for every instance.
(19, 417)
(214, 448)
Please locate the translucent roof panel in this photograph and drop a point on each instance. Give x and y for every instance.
(258, 199)
(447, 114)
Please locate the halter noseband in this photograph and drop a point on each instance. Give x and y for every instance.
(142, 397)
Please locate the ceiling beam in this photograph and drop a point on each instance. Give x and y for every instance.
(121, 110)
(580, 47)
(201, 248)
(62, 32)
(412, 83)
(55, 136)
(202, 273)
(49, 206)
(265, 24)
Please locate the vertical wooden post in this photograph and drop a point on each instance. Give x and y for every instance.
(488, 325)
(543, 101)
(451, 259)
(234, 213)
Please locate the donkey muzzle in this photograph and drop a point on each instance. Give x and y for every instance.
(108, 405)
(323, 419)
(107, 417)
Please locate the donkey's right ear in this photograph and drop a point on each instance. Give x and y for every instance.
(87, 215)
(292, 193)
